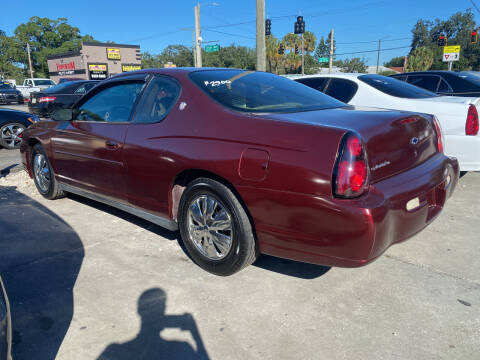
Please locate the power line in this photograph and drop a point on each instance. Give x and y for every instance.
(230, 34)
(476, 7)
(369, 51)
(371, 41)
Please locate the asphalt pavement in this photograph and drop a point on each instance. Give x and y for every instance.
(87, 281)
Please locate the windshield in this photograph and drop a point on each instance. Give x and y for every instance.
(251, 91)
(6, 86)
(396, 87)
(44, 82)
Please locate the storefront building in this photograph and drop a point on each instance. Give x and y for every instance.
(95, 61)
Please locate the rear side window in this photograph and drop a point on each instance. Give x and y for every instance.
(443, 87)
(342, 89)
(395, 87)
(428, 82)
(112, 104)
(400, 77)
(314, 83)
(262, 92)
(157, 100)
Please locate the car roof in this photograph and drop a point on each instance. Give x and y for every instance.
(337, 75)
(171, 71)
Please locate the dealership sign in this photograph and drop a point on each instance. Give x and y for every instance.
(66, 69)
(113, 53)
(131, 67)
(97, 71)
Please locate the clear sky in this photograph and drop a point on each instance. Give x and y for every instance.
(154, 24)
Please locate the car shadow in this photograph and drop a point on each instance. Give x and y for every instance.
(291, 267)
(270, 263)
(4, 172)
(149, 343)
(40, 258)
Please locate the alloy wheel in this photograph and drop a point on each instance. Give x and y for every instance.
(41, 172)
(11, 135)
(210, 227)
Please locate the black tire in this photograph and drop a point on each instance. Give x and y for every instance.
(243, 250)
(4, 129)
(53, 190)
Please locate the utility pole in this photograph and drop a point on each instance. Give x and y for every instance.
(29, 60)
(303, 56)
(261, 61)
(378, 54)
(330, 63)
(198, 38)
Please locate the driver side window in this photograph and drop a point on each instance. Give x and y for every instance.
(112, 104)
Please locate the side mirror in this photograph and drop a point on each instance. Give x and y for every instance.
(62, 115)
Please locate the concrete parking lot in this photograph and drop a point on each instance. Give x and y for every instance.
(87, 281)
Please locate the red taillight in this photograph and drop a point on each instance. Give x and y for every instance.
(46, 99)
(471, 126)
(438, 131)
(350, 178)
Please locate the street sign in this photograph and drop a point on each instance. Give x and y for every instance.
(323, 59)
(212, 48)
(451, 53)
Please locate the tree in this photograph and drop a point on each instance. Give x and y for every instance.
(323, 50)
(309, 40)
(354, 65)
(46, 37)
(395, 62)
(420, 59)
(274, 59)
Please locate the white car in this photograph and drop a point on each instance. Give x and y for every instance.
(457, 116)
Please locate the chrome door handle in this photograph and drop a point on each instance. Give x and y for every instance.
(111, 144)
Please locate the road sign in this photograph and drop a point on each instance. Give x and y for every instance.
(451, 53)
(212, 48)
(323, 59)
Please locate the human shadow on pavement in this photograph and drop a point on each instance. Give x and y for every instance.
(40, 258)
(290, 267)
(149, 344)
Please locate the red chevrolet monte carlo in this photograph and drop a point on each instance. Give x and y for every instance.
(245, 163)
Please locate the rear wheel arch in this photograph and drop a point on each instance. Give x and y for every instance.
(187, 176)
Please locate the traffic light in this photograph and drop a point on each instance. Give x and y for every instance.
(296, 49)
(268, 27)
(299, 26)
(442, 40)
(281, 50)
(474, 37)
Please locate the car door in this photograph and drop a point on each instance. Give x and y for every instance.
(88, 150)
(341, 89)
(147, 151)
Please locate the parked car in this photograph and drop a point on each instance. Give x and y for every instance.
(448, 83)
(457, 116)
(5, 325)
(12, 125)
(44, 102)
(31, 85)
(8, 94)
(245, 163)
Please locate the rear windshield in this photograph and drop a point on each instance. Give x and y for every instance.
(472, 76)
(251, 91)
(44, 82)
(65, 88)
(396, 87)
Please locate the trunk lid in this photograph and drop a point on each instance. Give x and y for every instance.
(395, 141)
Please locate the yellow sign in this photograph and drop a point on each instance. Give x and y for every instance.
(451, 49)
(132, 67)
(113, 54)
(170, 65)
(97, 67)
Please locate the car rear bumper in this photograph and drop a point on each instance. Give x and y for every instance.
(5, 325)
(466, 149)
(38, 109)
(350, 233)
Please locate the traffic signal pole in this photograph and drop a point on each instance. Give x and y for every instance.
(378, 54)
(261, 58)
(303, 56)
(198, 37)
(330, 62)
